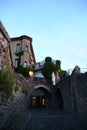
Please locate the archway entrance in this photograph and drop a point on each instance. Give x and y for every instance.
(38, 101)
(40, 97)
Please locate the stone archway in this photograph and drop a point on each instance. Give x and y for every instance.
(41, 96)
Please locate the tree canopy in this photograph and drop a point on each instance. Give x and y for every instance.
(50, 67)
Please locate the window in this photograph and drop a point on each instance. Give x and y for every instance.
(33, 101)
(26, 48)
(16, 63)
(25, 64)
(18, 47)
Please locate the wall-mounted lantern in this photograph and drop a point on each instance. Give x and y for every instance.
(31, 73)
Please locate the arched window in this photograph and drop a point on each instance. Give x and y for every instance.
(18, 47)
(26, 48)
(25, 64)
(16, 63)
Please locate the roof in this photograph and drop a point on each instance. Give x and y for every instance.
(21, 38)
(39, 75)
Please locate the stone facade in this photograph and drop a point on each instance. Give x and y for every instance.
(74, 93)
(4, 47)
(22, 43)
(70, 94)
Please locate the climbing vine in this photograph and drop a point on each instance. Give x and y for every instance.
(19, 54)
(50, 67)
(19, 68)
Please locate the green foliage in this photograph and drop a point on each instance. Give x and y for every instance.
(22, 70)
(19, 54)
(48, 59)
(24, 90)
(58, 66)
(47, 71)
(6, 81)
(51, 67)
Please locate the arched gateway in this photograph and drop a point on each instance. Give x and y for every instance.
(45, 96)
(42, 94)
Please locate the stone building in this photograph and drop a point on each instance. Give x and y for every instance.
(22, 44)
(4, 47)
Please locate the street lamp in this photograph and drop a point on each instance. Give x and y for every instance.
(31, 73)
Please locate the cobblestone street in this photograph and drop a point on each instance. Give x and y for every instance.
(52, 119)
(40, 119)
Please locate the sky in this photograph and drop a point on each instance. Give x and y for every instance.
(58, 28)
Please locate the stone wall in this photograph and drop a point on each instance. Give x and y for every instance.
(80, 85)
(4, 47)
(65, 88)
(74, 93)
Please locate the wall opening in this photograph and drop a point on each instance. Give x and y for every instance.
(38, 101)
(40, 97)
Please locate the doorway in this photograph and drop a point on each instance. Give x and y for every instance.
(38, 101)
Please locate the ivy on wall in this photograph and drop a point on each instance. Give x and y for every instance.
(21, 69)
(50, 67)
(19, 54)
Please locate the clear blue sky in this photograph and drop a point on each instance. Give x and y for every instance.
(58, 28)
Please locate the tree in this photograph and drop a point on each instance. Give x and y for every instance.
(58, 67)
(47, 71)
(6, 82)
(50, 67)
